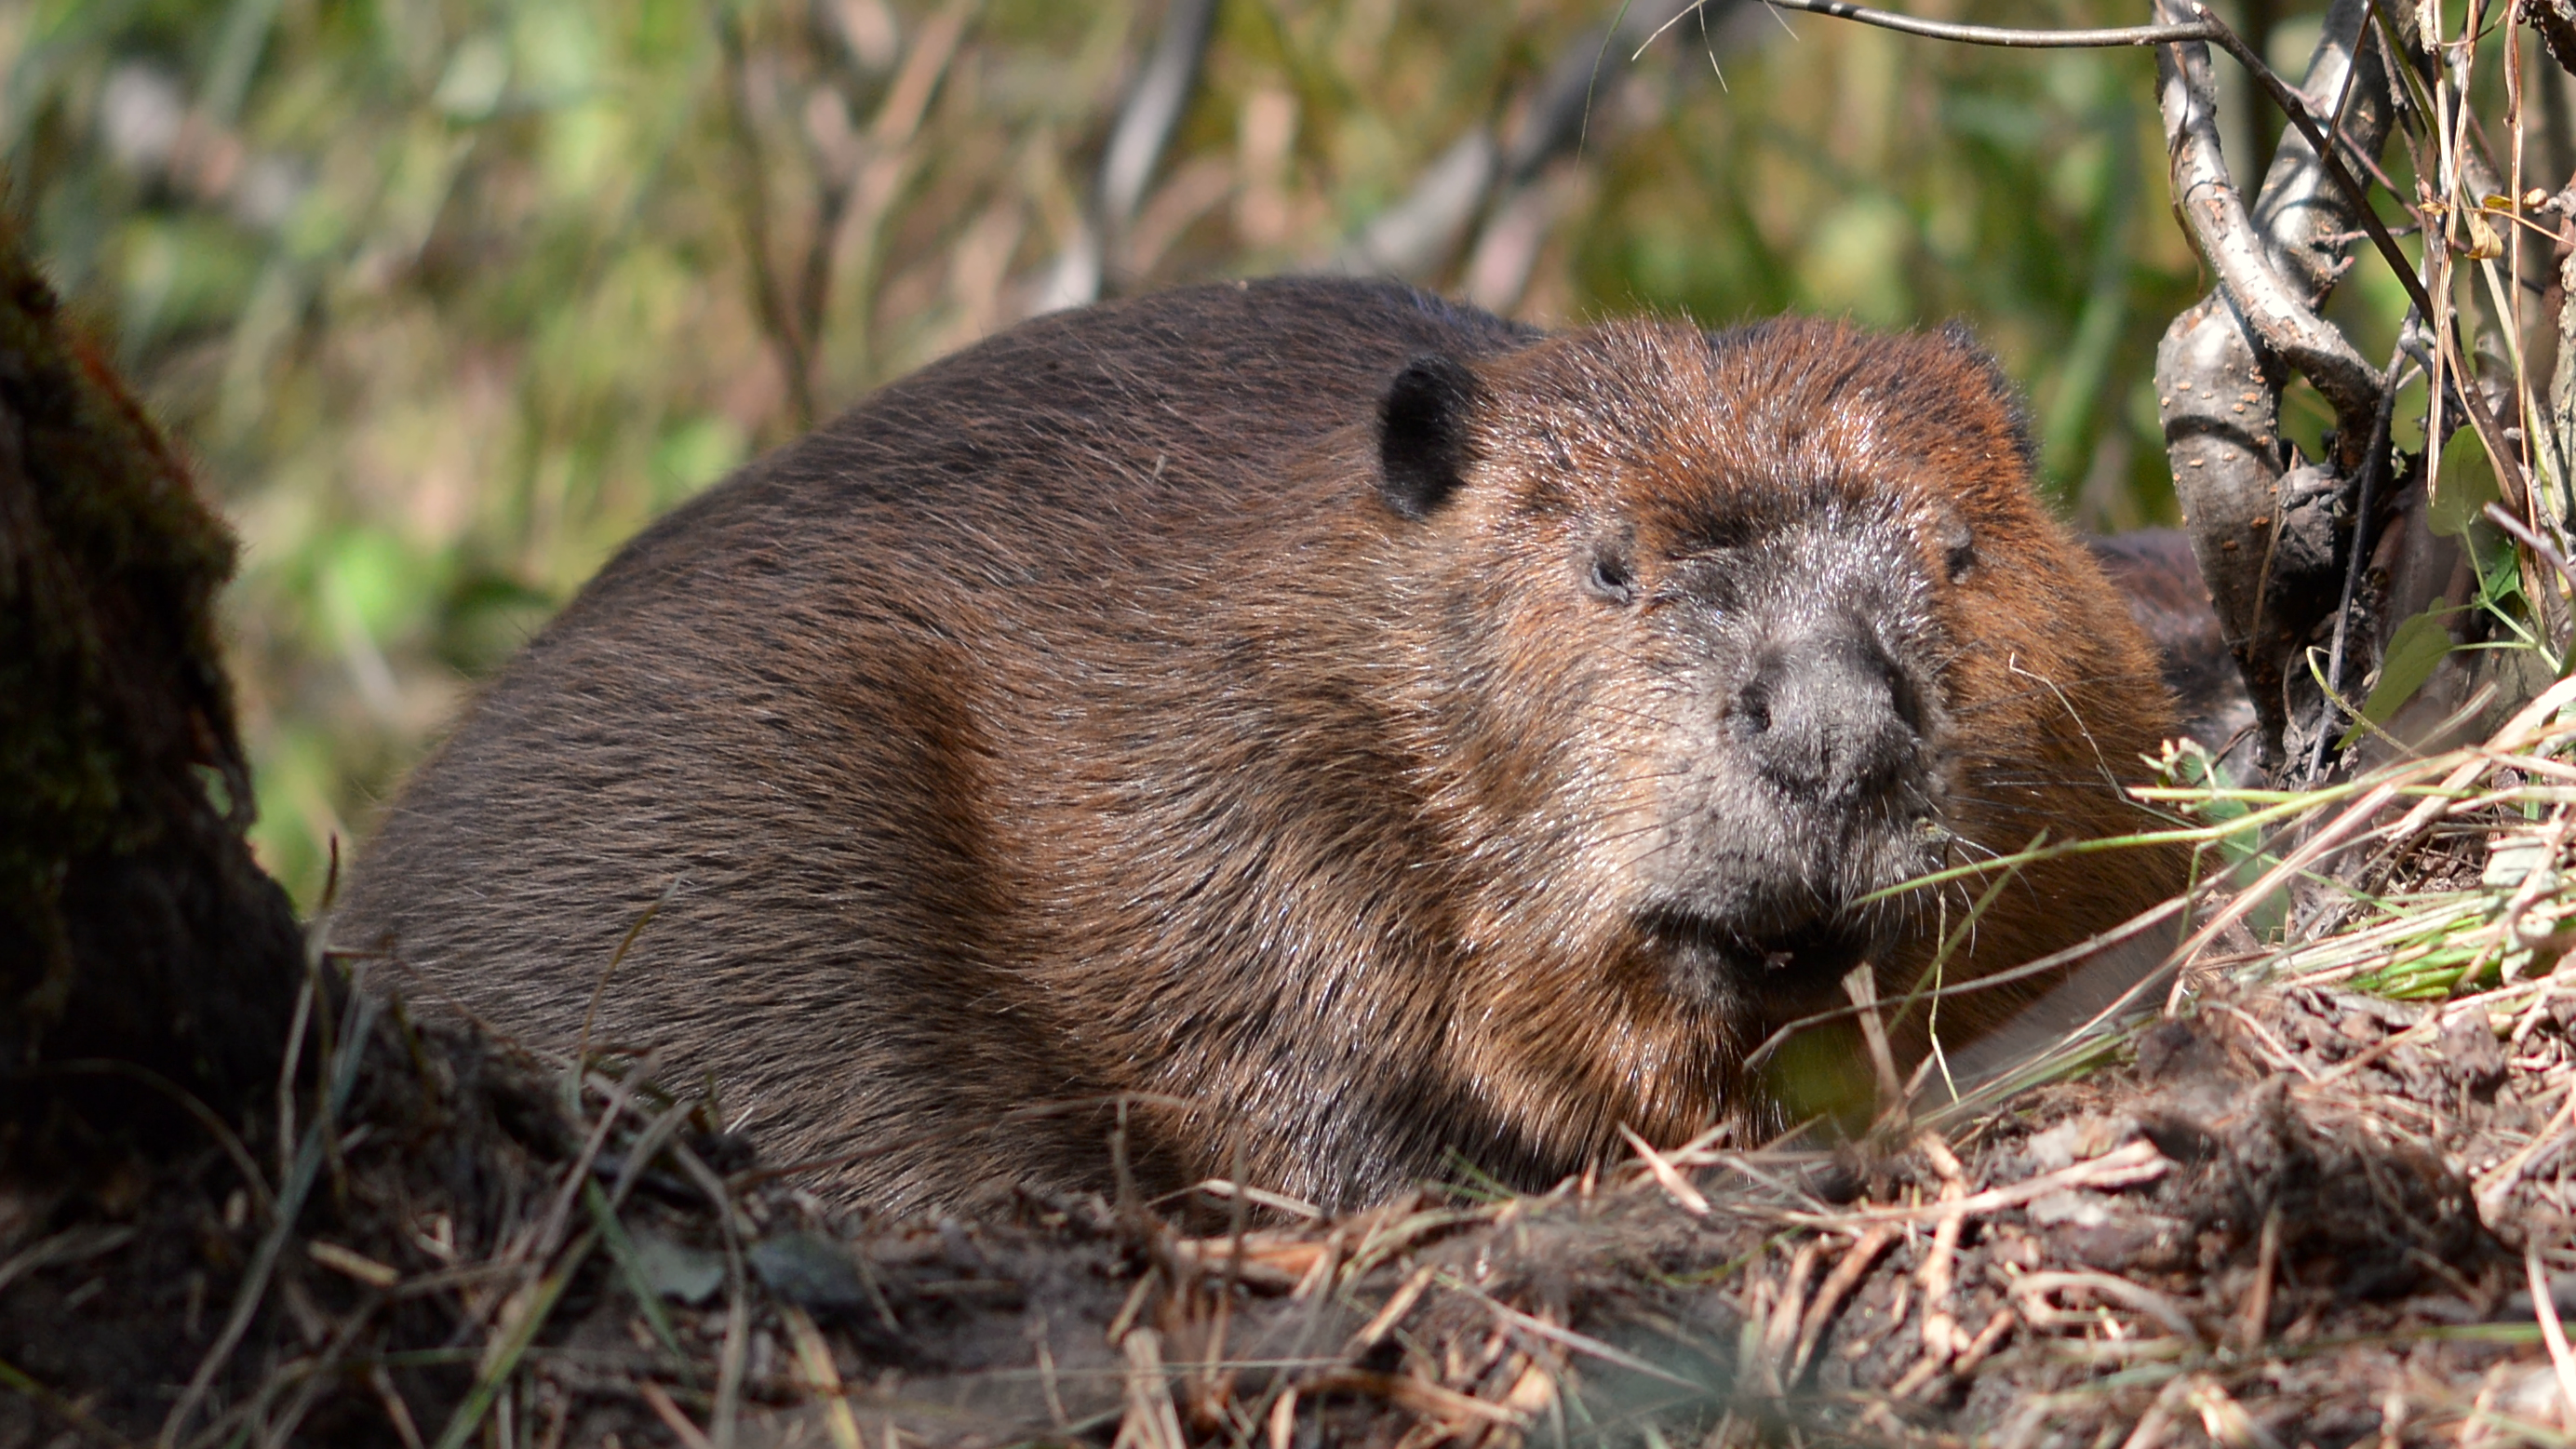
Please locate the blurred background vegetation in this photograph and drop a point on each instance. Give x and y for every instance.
(448, 297)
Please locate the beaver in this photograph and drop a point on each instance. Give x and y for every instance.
(2154, 570)
(1303, 732)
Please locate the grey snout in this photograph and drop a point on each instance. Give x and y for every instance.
(1829, 716)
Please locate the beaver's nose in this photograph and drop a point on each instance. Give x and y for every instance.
(1828, 715)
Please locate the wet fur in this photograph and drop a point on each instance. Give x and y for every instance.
(1111, 709)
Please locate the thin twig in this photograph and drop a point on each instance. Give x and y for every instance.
(347, 1052)
(2544, 1308)
(71, 1245)
(2123, 1167)
(67, 1410)
(751, 199)
(2374, 461)
(2524, 534)
(2136, 925)
(1675, 1186)
(729, 1366)
(2115, 36)
(186, 1101)
(2145, 1300)
(1837, 1286)
(689, 1435)
(2204, 27)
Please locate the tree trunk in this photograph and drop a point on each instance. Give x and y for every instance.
(134, 925)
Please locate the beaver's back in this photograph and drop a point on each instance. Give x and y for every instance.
(1343, 729)
(783, 705)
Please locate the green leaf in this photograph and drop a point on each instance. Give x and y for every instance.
(2464, 487)
(2500, 576)
(2419, 644)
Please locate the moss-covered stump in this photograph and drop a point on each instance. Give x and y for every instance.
(134, 926)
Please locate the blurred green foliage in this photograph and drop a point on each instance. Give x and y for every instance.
(449, 296)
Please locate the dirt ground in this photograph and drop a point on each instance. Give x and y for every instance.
(2289, 1215)
(2317, 1195)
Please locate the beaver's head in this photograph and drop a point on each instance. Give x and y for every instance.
(1731, 634)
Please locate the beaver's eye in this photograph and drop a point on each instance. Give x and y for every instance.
(1609, 579)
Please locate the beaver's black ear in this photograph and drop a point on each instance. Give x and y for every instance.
(1423, 444)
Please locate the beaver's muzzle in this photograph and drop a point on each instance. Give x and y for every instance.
(1829, 718)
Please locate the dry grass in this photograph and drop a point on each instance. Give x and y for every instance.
(2266, 1208)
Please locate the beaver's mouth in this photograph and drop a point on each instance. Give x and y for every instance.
(1771, 967)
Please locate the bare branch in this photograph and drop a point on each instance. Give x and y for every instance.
(1416, 234)
(2245, 253)
(2166, 34)
(778, 315)
(2271, 264)
(2477, 180)
(2221, 366)
(2301, 113)
(1153, 110)
(2374, 464)
(1485, 174)
(2204, 28)
(2529, 538)
(2555, 21)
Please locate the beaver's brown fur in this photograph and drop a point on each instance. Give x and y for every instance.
(1353, 729)
(2154, 570)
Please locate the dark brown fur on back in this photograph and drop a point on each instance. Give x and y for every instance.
(1361, 729)
(2155, 572)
